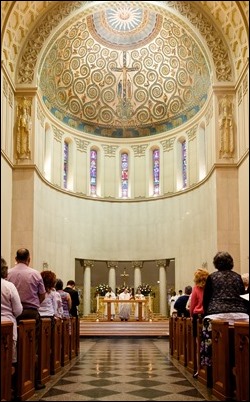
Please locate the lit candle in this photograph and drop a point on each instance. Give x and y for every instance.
(97, 303)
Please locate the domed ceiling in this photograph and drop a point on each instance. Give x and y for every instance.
(123, 71)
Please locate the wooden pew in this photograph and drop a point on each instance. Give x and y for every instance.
(241, 345)
(72, 349)
(6, 359)
(26, 354)
(77, 336)
(175, 338)
(44, 351)
(182, 339)
(191, 347)
(223, 359)
(56, 347)
(65, 342)
(171, 335)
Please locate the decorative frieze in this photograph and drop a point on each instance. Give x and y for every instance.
(81, 145)
(139, 150)
(192, 133)
(109, 150)
(57, 134)
(168, 144)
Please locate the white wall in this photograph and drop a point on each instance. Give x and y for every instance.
(68, 227)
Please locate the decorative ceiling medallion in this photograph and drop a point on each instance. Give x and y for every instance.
(124, 27)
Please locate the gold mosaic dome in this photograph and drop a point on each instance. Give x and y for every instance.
(124, 71)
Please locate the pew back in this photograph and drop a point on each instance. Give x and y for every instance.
(241, 344)
(26, 359)
(6, 359)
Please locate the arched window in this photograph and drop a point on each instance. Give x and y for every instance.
(124, 174)
(65, 163)
(184, 163)
(156, 172)
(93, 171)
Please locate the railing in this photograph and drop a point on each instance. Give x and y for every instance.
(146, 303)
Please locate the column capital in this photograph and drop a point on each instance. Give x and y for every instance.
(137, 264)
(112, 264)
(88, 263)
(161, 263)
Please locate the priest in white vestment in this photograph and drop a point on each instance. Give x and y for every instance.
(110, 295)
(124, 308)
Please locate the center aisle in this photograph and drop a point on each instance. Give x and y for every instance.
(123, 369)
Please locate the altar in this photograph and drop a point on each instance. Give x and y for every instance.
(144, 308)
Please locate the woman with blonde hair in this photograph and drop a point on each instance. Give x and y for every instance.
(196, 303)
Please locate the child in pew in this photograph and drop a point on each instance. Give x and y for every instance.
(221, 300)
(11, 306)
(196, 304)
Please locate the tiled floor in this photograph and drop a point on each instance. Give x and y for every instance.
(123, 369)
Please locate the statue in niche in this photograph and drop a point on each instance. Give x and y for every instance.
(226, 128)
(23, 131)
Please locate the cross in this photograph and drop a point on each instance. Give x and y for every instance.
(124, 275)
(122, 87)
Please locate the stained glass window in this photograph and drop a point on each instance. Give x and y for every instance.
(156, 172)
(184, 163)
(65, 163)
(93, 171)
(124, 173)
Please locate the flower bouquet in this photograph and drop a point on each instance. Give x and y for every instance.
(145, 289)
(101, 289)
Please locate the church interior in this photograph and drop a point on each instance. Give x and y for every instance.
(124, 161)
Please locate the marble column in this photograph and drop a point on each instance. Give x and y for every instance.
(87, 287)
(161, 264)
(112, 266)
(137, 265)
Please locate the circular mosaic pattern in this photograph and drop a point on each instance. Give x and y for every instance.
(124, 70)
(124, 26)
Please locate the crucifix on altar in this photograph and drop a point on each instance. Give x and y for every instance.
(124, 276)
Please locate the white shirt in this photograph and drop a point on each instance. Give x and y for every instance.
(11, 306)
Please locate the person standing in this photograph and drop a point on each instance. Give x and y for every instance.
(245, 278)
(124, 313)
(49, 306)
(139, 296)
(70, 288)
(11, 306)
(181, 302)
(172, 301)
(30, 286)
(110, 295)
(196, 305)
(221, 300)
(66, 299)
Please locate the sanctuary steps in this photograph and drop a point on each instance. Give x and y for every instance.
(159, 326)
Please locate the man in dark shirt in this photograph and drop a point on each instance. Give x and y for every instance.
(181, 302)
(70, 288)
